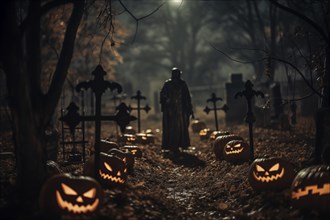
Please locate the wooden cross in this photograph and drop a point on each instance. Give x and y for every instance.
(139, 97)
(214, 100)
(249, 93)
(98, 86)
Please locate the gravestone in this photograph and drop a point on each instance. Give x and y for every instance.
(235, 115)
(276, 107)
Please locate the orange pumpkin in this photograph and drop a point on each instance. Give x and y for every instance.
(220, 142)
(236, 151)
(71, 194)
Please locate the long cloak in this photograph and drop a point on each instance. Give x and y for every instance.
(176, 107)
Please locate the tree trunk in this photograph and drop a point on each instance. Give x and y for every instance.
(31, 110)
(322, 119)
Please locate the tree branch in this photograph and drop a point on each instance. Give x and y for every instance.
(277, 59)
(140, 18)
(303, 17)
(63, 63)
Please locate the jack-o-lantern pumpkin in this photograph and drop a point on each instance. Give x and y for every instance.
(135, 150)
(112, 170)
(220, 142)
(105, 145)
(126, 139)
(236, 151)
(216, 134)
(197, 125)
(204, 134)
(270, 174)
(310, 190)
(143, 138)
(126, 156)
(71, 194)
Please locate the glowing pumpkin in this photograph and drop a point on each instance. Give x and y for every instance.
(126, 139)
(143, 138)
(310, 189)
(197, 125)
(216, 134)
(112, 170)
(135, 150)
(71, 194)
(220, 142)
(270, 174)
(204, 134)
(236, 151)
(126, 156)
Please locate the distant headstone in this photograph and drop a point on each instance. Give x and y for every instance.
(235, 115)
(276, 107)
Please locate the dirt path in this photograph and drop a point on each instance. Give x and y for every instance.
(195, 185)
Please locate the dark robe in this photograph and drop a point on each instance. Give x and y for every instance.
(176, 107)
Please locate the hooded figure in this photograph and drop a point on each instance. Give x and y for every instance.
(176, 106)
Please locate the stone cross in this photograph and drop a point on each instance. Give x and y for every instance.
(98, 86)
(249, 93)
(146, 108)
(214, 100)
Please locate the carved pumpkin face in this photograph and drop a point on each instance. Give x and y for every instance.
(311, 188)
(220, 142)
(69, 194)
(112, 170)
(270, 174)
(236, 151)
(135, 150)
(204, 134)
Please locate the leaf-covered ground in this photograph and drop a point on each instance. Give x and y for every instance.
(195, 185)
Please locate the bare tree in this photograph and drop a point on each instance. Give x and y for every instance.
(322, 144)
(31, 106)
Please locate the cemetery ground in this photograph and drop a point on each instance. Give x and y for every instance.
(194, 184)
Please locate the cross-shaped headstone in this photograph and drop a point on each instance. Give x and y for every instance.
(249, 93)
(146, 108)
(98, 86)
(214, 100)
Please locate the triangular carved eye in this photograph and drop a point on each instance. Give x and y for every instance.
(107, 166)
(276, 167)
(68, 190)
(259, 168)
(90, 193)
(228, 146)
(237, 145)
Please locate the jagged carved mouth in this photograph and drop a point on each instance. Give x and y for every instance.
(311, 190)
(112, 178)
(269, 178)
(75, 208)
(234, 151)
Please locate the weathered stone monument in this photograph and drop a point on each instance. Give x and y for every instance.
(235, 115)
